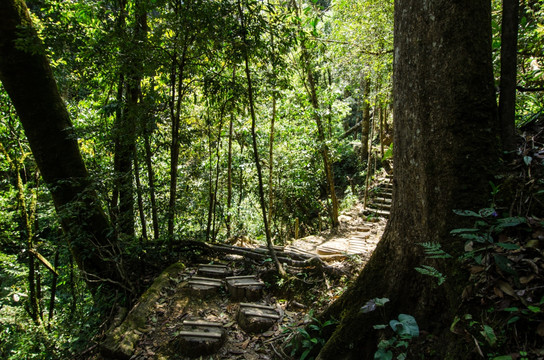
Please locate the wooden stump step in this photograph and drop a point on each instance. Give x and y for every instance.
(204, 286)
(256, 318)
(214, 270)
(247, 287)
(199, 338)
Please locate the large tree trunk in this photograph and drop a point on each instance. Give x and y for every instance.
(445, 136)
(28, 79)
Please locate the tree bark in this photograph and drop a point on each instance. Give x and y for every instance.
(229, 177)
(151, 180)
(28, 79)
(365, 129)
(509, 69)
(445, 149)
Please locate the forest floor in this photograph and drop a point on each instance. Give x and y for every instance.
(306, 291)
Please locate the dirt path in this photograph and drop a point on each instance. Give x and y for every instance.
(347, 248)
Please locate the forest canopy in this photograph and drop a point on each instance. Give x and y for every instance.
(192, 121)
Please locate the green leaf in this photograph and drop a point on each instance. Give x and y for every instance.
(486, 212)
(504, 264)
(508, 246)
(431, 271)
(304, 354)
(503, 357)
(511, 309)
(381, 354)
(466, 213)
(457, 231)
(489, 334)
(381, 301)
(527, 160)
(512, 320)
(511, 221)
(406, 326)
(477, 238)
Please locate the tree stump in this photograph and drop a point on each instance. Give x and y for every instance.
(199, 338)
(256, 318)
(214, 270)
(247, 288)
(203, 286)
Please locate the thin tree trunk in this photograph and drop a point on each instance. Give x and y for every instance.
(312, 93)
(507, 98)
(151, 180)
(211, 198)
(329, 117)
(229, 178)
(271, 162)
(125, 135)
(279, 267)
(229, 166)
(324, 150)
(365, 128)
(53, 292)
(382, 113)
(175, 113)
(139, 192)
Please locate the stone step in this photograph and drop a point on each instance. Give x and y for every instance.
(380, 206)
(378, 212)
(382, 200)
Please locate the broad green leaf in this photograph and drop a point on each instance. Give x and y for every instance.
(406, 326)
(508, 246)
(466, 213)
(512, 320)
(511, 221)
(504, 264)
(381, 354)
(489, 334)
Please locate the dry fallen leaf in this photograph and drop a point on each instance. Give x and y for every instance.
(506, 288)
(540, 329)
(526, 279)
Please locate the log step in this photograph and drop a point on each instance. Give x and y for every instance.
(199, 338)
(203, 286)
(256, 318)
(214, 270)
(245, 287)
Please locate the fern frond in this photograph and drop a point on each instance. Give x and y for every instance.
(433, 250)
(431, 271)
